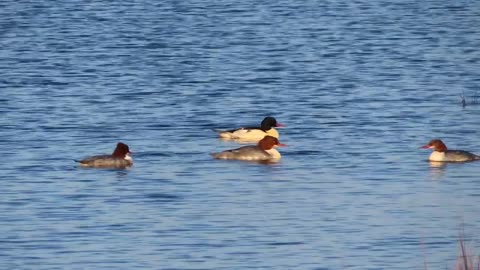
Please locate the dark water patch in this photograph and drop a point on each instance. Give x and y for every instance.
(80, 196)
(439, 243)
(146, 154)
(37, 168)
(408, 241)
(304, 153)
(59, 128)
(285, 243)
(245, 253)
(160, 125)
(264, 80)
(17, 202)
(73, 234)
(156, 46)
(270, 69)
(86, 180)
(163, 197)
(189, 154)
(152, 197)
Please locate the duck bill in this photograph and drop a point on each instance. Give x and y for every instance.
(280, 125)
(281, 145)
(425, 146)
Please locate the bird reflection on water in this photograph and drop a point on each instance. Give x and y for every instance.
(437, 169)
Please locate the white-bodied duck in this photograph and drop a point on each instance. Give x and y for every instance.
(253, 134)
(442, 154)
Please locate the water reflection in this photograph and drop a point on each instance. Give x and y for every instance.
(437, 169)
(437, 164)
(121, 174)
(119, 169)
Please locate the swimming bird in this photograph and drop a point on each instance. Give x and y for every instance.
(120, 158)
(263, 151)
(253, 134)
(442, 154)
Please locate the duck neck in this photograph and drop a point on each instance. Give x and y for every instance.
(274, 153)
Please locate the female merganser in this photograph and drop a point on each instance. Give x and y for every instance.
(263, 151)
(120, 158)
(442, 154)
(253, 134)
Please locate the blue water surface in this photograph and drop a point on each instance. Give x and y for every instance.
(359, 84)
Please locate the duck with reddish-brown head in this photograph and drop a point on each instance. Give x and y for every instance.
(442, 154)
(120, 158)
(263, 151)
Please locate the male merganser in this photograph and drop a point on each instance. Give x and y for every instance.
(120, 158)
(253, 134)
(442, 154)
(263, 151)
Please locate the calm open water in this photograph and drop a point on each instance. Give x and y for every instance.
(360, 85)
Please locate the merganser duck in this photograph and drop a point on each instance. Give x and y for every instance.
(120, 158)
(253, 134)
(442, 154)
(263, 151)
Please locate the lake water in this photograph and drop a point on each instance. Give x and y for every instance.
(359, 84)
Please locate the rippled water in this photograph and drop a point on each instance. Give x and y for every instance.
(360, 85)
